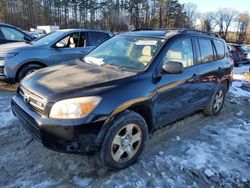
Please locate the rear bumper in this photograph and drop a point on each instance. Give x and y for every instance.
(67, 136)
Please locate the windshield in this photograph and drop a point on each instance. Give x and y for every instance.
(47, 39)
(127, 52)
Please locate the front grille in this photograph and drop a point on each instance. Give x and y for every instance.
(1, 70)
(28, 123)
(36, 102)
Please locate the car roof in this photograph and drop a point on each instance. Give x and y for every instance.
(8, 25)
(79, 30)
(168, 33)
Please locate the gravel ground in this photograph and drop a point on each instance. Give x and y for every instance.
(198, 151)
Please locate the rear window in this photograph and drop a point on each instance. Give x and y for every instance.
(206, 49)
(96, 38)
(220, 48)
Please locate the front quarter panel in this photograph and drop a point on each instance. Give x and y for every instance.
(13, 64)
(139, 89)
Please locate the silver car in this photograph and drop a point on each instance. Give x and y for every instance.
(19, 59)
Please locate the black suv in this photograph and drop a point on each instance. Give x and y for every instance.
(130, 85)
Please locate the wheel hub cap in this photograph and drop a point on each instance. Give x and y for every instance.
(126, 143)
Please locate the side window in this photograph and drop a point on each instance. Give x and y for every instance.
(74, 41)
(220, 48)
(181, 51)
(12, 34)
(206, 49)
(96, 38)
(82, 40)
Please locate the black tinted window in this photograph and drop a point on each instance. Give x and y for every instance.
(220, 48)
(206, 50)
(96, 38)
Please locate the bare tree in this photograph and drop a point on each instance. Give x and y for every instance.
(208, 22)
(243, 24)
(191, 12)
(224, 18)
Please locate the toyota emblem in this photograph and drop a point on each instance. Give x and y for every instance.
(26, 97)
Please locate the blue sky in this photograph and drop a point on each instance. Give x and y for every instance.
(212, 5)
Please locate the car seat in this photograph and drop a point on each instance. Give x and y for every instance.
(146, 55)
(72, 43)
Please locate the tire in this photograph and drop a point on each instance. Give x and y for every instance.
(214, 106)
(118, 149)
(27, 70)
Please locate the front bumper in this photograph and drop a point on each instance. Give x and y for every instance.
(4, 78)
(76, 136)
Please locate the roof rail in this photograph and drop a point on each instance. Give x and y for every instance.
(201, 32)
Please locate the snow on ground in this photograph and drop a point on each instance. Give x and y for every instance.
(198, 151)
(241, 76)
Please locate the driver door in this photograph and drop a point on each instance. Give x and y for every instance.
(177, 93)
(73, 48)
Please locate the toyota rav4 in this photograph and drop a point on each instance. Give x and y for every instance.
(124, 89)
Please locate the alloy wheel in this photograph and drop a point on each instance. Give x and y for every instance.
(219, 97)
(126, 143)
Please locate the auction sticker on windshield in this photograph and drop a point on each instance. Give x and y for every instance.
(146, 42)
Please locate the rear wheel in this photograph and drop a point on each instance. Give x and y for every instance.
(27, 70)
(125, 141)
(214, 106)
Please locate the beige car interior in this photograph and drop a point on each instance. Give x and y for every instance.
(179, 57)
(72, 43)
(146, 55)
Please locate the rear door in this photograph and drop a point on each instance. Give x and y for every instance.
(177, 93)
(96, 38)
(211, 57)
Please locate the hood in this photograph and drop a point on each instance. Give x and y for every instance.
(71, 79)
(13, 47)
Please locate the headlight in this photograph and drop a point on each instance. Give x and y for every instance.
(10, 55)
(74, 108)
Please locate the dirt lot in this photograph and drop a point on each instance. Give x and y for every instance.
(198, 151)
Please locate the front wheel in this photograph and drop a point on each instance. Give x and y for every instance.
(214, 106)
(124, 142)
(27, 70)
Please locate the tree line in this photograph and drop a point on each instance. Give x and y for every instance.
(123, 15)
(113, 15)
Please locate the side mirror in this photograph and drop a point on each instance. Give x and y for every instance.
(173, 67)
(60, 45)
(27, 37)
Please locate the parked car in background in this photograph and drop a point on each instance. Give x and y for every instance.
(238, 53)
(19, 59)
(9, 33)
(124, 89)
(247, 52)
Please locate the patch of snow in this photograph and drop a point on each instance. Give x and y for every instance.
(239, 114)
(237, 91)
(241, 70)
(178, 138)
(82, 182)
(209, 172)
(6, 115)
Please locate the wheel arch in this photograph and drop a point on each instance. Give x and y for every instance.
(141, 108)
(29, 63)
